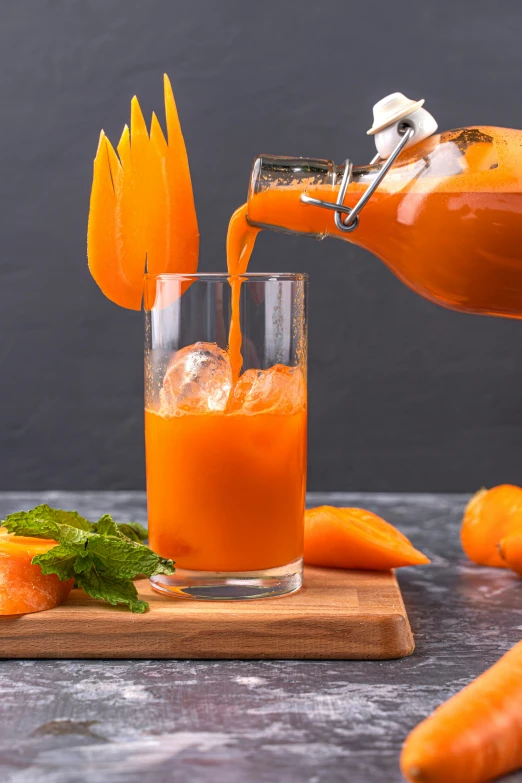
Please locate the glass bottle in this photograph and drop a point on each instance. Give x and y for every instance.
(446, 219)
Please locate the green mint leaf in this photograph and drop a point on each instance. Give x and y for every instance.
(131, 530)
(125, 559)
(134, 531)
(111, 589)
(59, 560)
(71, 518)
(106, 526)
(103, 557)
(43, 522)
(125, 530)
(83, 563)
(43, 514)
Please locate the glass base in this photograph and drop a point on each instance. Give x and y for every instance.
(231, 586)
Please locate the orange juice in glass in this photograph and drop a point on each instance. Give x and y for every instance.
(225, 447)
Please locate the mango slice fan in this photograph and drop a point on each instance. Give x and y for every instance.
(142, 216)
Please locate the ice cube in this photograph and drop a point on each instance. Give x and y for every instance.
(198, 380)
(279, 389)
(242, 389)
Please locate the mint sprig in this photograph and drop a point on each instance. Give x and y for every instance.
(103, 557)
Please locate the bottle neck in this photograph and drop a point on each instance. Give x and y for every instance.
(270, 171)
(276, 185)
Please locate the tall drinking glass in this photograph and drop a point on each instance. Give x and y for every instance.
(226, 449)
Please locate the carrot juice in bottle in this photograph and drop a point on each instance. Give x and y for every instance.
(446, 218)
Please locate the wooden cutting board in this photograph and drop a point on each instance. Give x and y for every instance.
(336, 615)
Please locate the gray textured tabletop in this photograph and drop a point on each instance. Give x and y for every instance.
(260, 721)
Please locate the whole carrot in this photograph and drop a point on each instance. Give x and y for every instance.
(474, 737)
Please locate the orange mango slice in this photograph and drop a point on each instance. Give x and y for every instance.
(142, 215)
(23, 587)
(357, 539)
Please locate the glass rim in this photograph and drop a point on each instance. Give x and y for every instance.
(225, 276)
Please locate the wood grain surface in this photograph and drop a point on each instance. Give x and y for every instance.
(336, 615)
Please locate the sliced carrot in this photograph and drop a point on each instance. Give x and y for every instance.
(474, 737)
(490, 516)
(124, 149)
(142, 213)
(23, 587)
(183, 247)
(130, 209)
(139, 183)
(355, 538)
(113, 262)
(139, 137)
(158, 228)
(157, 136)
(510, 551)
(173, 245)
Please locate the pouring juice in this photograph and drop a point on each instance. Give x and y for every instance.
(226, 354)
(226, 477)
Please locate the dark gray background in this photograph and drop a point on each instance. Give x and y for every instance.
(403, 395)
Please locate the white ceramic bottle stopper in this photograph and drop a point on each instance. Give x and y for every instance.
(388, 116)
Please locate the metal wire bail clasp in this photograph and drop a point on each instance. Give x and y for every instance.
(351, 222)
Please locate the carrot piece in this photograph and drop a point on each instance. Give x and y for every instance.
(173, 234)
(510, 550)
(130, 208)
(124, 150)
(158, 224)
(490, 516)
(157, 135)
(142, 213)
(183, 248)
(113, 263)
(355, 538)
(139, 151)
(23, 587)
(474, 737)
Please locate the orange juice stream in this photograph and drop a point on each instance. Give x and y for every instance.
(226, 490)
(241, 238)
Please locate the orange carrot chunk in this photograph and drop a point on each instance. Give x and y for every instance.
(510, 550)
(474, 737)
(490, 516)
(115, 262)
(183, 233)
(355, 538)
(23, 587)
